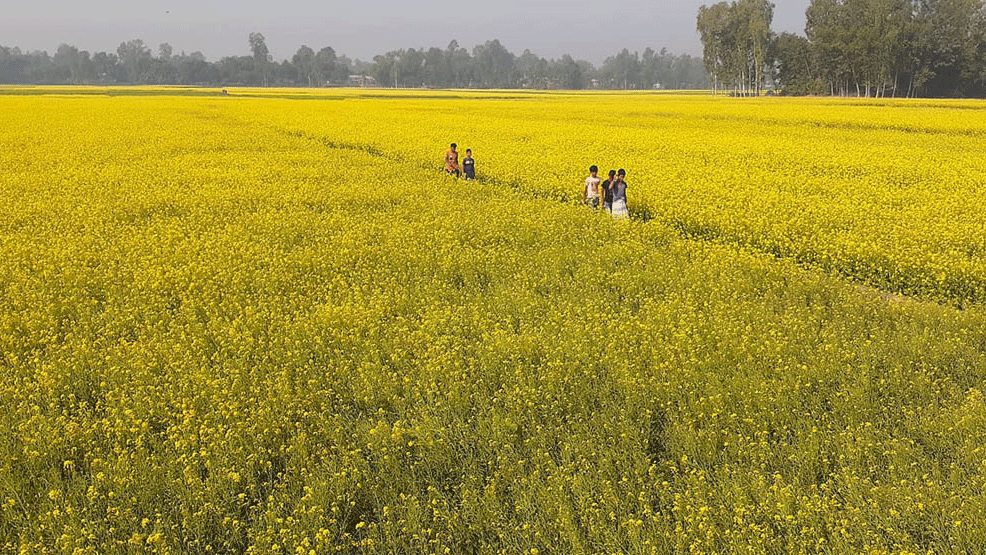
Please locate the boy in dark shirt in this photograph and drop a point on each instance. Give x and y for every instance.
(608, 192)
(469, 165)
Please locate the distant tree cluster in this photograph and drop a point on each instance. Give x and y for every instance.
(134, 63)
(491, 65)
(851, 47)
(488, 65)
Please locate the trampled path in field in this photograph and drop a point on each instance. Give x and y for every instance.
(884, 194)
(881, 193)
(638, 215)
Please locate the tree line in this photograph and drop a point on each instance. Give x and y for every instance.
(871, 48)
(488, 65)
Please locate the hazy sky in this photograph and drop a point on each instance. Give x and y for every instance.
(361, 29)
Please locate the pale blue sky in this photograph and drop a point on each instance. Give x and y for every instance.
(361, 29)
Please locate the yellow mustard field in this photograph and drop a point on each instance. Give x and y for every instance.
(267, 322)
(883, 192)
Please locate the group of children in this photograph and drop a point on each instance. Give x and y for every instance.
(468, 169)
(612, 192)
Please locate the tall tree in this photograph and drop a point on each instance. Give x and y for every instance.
(194, 69)
(568, 74)
(533, 70)
(793, 63)
(261, 56)
(304, 63)
(106, 67)
(736, 38)
(460, 64)
(164, 52)
(715, 31)
(135, 57)
(494, 65)
(755, 18)
(68, 64)
(949, 39)
(437, 70)
(623, 70)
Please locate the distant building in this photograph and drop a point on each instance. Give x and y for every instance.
(364, 81)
